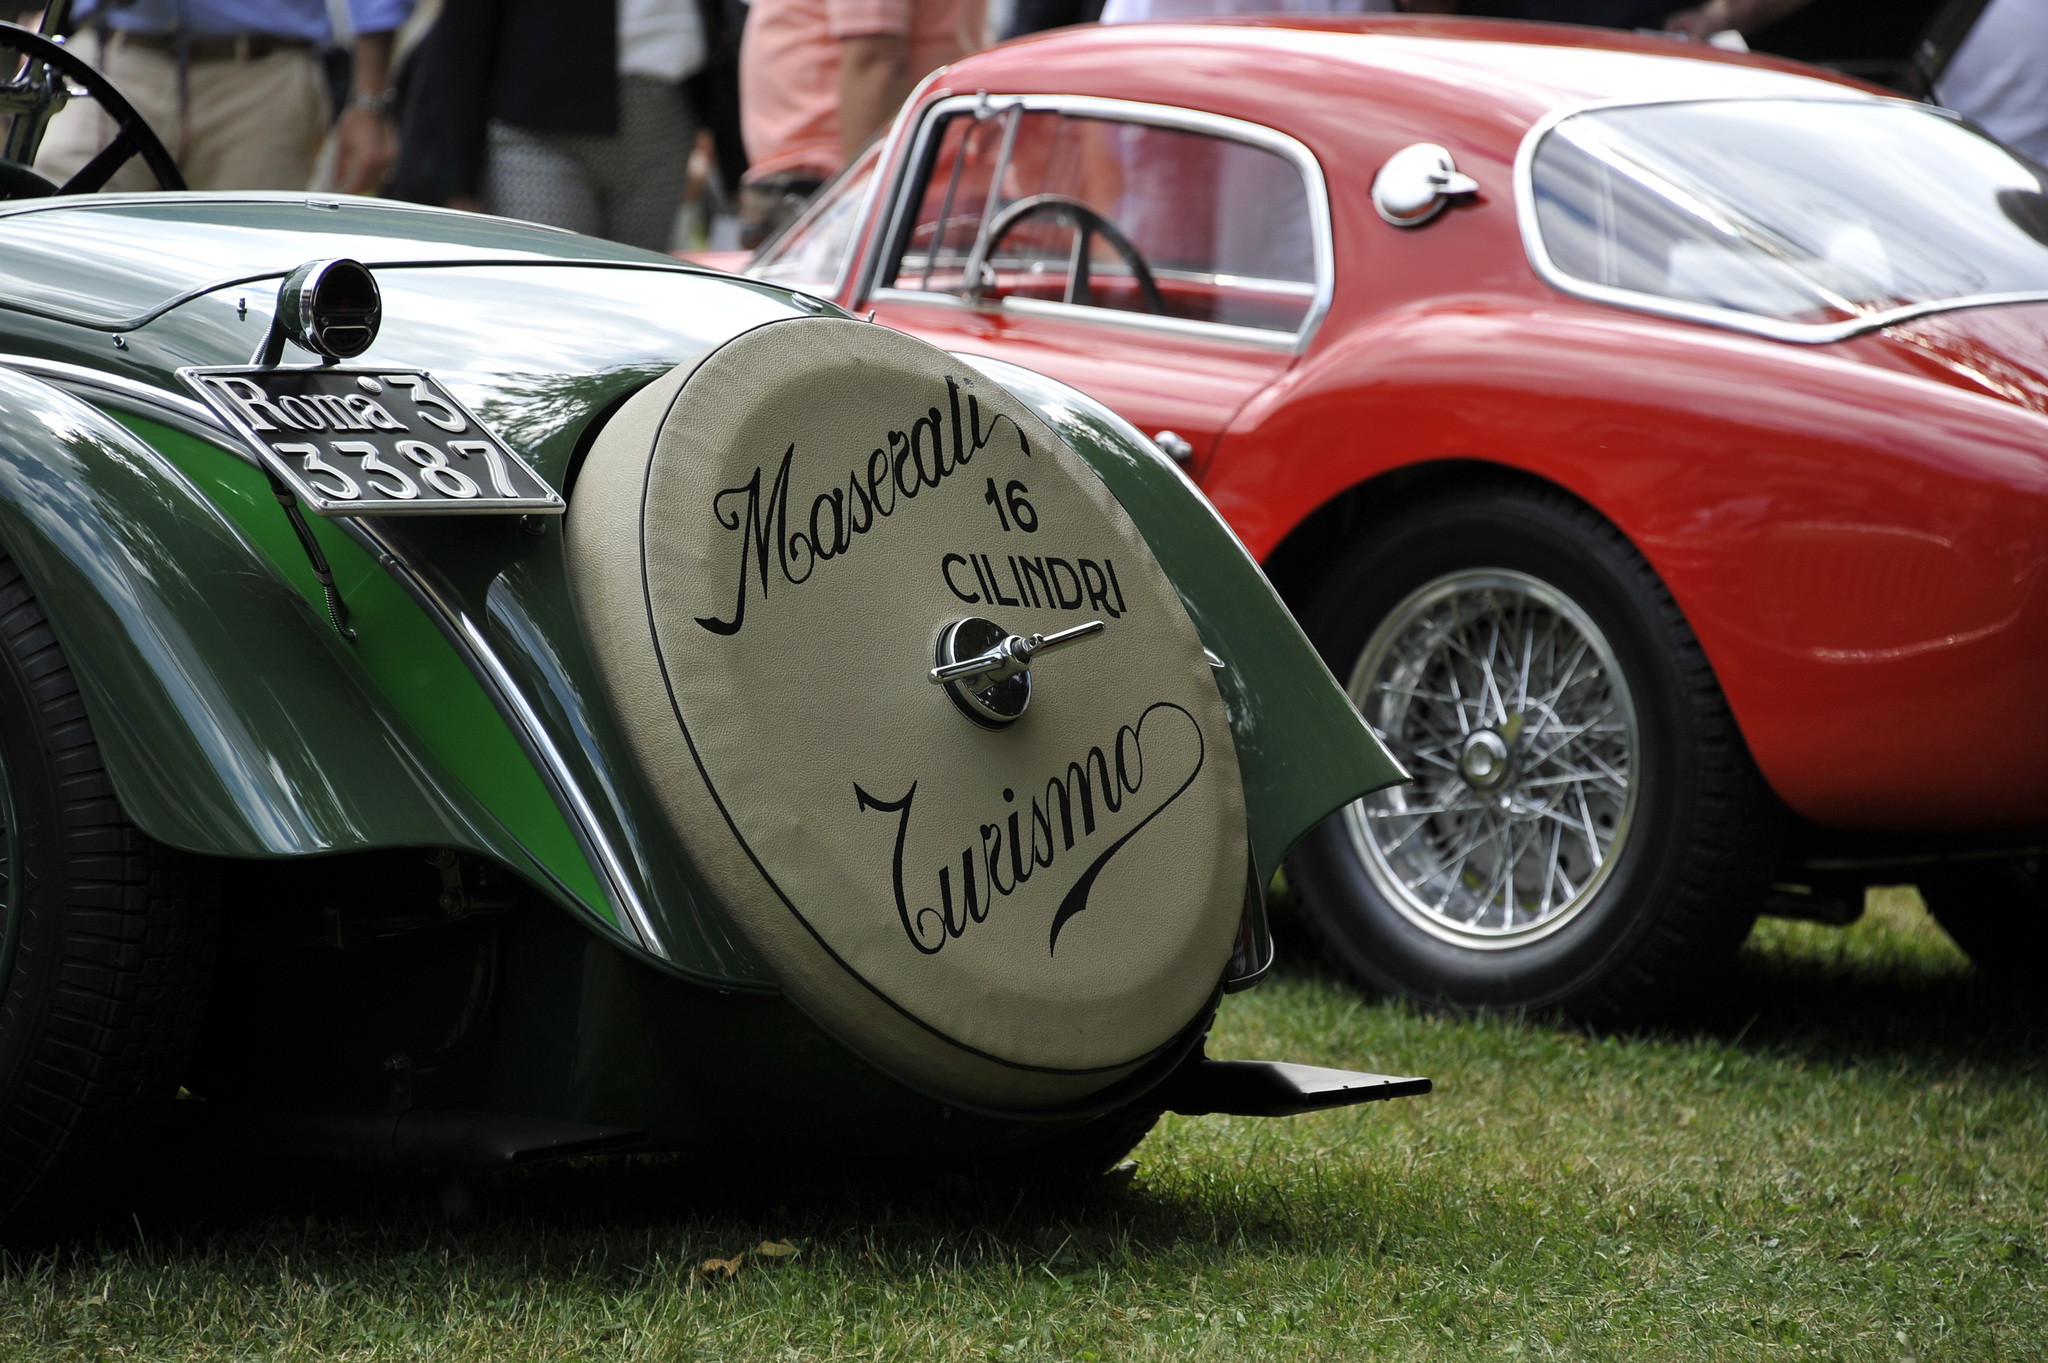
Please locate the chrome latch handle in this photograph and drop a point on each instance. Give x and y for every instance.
(991, 685)
(1175, 446)
(1013, 654)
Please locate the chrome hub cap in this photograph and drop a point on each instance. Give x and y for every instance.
(1484, 764)
(1504, 701)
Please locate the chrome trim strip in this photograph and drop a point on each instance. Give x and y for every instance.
(1772, 328)
(1130, 111)
(1280, 341)
(469, 641)
(173, 409)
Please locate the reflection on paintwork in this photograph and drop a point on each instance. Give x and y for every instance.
(150, 581)
(1872, 593)
(495, 337)
(85, 259)
(1987, 350)
(528, 610)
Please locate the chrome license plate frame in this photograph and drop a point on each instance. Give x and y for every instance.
(388, 440)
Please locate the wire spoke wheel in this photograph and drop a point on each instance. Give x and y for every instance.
(1507, 705)
(1585, 830)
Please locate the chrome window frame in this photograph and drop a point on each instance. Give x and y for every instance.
(1772, 328)
(887, 243)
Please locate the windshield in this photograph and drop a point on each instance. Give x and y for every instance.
(812, 253)
(1797, 211)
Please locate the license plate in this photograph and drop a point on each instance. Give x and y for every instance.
(373, 442)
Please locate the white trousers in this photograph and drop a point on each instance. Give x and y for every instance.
(254, 123)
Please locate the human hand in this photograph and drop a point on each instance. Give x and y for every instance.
(1717, 16)
(874, 80)
(1701, 21)
(364, 148)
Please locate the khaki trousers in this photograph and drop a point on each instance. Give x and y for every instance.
(249, 124)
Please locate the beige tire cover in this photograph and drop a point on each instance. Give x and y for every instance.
(765, 547)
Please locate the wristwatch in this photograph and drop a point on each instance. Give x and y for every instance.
(380, 105)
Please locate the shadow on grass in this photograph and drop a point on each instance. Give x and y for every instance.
(1890, 991)
(625, 1217)
(1891, 987)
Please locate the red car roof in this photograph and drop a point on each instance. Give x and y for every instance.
(1301, 74)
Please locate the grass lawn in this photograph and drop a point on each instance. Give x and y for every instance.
(1848, 1158)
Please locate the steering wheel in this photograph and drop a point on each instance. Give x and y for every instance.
(133, 135)
(1087, 223)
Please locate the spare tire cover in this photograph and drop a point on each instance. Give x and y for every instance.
(765, 547)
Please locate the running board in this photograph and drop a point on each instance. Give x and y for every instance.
(1274, 1088)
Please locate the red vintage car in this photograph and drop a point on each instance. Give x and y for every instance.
(1654, 440)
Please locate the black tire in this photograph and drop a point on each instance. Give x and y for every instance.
(1700, 836)
(1077, 1158)
(1996, 911)
(105, 948)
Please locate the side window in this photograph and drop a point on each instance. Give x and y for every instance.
(953, 202)
(1104, 213)
(812, 254)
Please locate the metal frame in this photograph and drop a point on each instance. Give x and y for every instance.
(324, 504)
(186, 414)
(883, 245)
(1798, 333)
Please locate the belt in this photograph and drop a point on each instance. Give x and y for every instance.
(215, 47)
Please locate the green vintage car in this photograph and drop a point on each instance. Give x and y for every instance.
(471, 693)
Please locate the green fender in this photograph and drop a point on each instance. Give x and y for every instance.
(231, 717)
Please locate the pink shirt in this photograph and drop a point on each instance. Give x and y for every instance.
(789, 68)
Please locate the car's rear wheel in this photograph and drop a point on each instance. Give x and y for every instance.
(104, 946)
(1080, 1156)
(1586, 829)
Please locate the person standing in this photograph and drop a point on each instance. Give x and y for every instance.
(573, 115)
(820, 79)
(234, 89)
(1998, 78)
(1136, 11)
(1036, 16)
